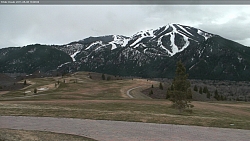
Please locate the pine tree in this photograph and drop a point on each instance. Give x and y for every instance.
(216, 95)
(24, 83)
(167, 95)
(200, 90)
(35, 90)
(208, 94)
(180, 85)
(205, 89)
(151, 92)
(152, 86)
(103, 77)
(195, 88)
(160, 86)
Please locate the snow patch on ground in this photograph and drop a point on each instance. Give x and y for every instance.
(99, 42)
(43, 89)
(118, 40)
(63, 64)
(184, 30)
(204, 34)
(148, 33)
(73, 56)
(240, 59)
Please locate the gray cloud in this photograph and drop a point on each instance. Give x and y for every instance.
(23, 25)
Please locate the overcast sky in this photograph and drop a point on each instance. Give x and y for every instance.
(51, 24)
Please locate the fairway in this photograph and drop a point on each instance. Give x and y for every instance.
(79, 96)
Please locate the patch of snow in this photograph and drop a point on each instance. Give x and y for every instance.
(125, 42)
(113, 46)
(43, 89)
(184, 29)
(73, 56)
(240, 59)
(191, 67)
(118, 40)
(147, 33)
(32, 50)
(204, 34)
(201, 51)
(63, 64)
(95, 43)
(99, 47)
(174, 48)
(27, 92)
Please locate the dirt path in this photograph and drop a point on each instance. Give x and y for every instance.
(128, 92)
(136, 93)
(123, 131)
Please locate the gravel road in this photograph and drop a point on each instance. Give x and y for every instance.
(123, 131)
(128, 91)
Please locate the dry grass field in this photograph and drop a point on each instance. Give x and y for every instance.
(78, 96)
(23, 135)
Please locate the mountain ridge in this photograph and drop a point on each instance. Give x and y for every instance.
(153, 53)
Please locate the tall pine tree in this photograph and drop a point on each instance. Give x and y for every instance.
(179, 94)
(160, 86)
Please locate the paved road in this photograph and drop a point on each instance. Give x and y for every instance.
(123, 131)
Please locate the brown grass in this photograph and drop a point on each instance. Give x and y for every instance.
(101, 99)
(25, 135)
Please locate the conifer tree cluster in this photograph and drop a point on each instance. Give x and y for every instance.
(219, 97)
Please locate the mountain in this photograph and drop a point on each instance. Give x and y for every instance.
(31, 58)
(150, 53)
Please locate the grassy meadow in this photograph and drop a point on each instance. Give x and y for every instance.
(80, 96)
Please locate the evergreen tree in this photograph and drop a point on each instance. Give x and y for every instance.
(160, 86)
(208, 94)
(152, 86)
(167, 95)
(180, 85)
(103, 77)
(216, 95)
(200, 90)
(24, 83)
(195, 88)
(205, 89)
(151, 92)
(35, 90)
